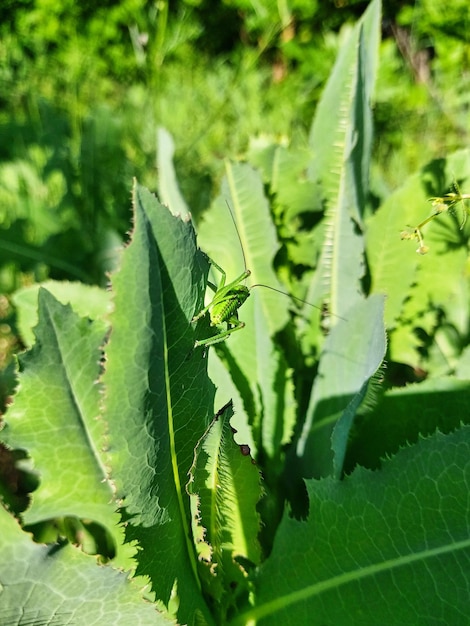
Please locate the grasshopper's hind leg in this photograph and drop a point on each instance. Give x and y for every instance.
(232, 325)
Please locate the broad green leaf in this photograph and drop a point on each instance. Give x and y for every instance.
(393, 265)
(226, 391)
(158, 399)
(341, 132)
(284, 169)
(46, 585)
(341, 137)
(406, 413)
(350, 357)
(225, 489)
(462, 370)
(297, 205)
(386, 547)
(255, 362)
(167, 184)
(86, 300)
(55, 418)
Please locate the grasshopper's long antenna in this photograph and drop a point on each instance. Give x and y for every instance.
(238, 234)
(268, 286)
(289, 295)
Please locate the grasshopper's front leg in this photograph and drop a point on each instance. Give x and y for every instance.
(201, 313)
(232, 325)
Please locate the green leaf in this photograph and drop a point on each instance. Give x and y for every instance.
(284, 168)
(167, 184)
(225, 488)
(406, 413)
(346, 365)
(86, 300)
(258, 369)
(158, 399)
(386, 547)
(55, 417)
(341, 132)
(58, 585)
(297, 206)
(341, 137)
(227, 391)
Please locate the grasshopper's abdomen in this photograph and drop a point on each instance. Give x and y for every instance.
(227, 307)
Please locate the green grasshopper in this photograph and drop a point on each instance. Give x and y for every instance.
(223, 309)
(227, 300)
(224, 306)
